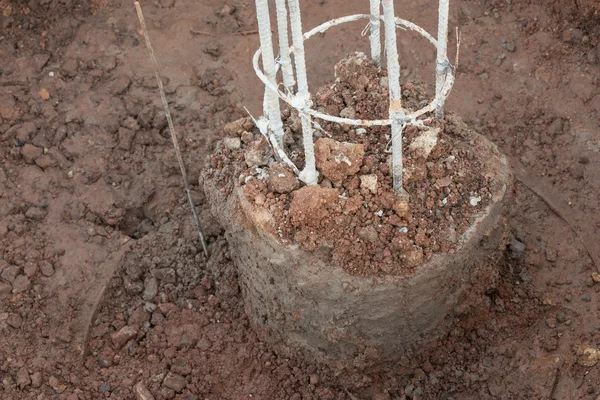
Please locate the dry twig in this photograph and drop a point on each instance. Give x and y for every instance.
(171, 127)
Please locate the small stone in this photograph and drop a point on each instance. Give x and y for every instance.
(40, 61)
(258, 153)
(123, 335)
(21, 284)
(69, 67)
(105, 387)
(141, 392)
(368, 234)
(338, 160)
(551, 254)
(310, 204)
(46, 161)
(133, 287)
(232, 143)
(369, 182)
(23, 379)
(561, 318)
(595, 277)
(474, 201)
(14, 320)
(30, 153)
(36, 379)
(46, 268)
(44, 94)
(551, 322)
(510, 47)
(282, 179)
(167, 3)
(204, 344)
(586, 298)
(5, 290)
(166, 275)
(150, 288)
(572, 36)
(36, 213)
(516, 249)
(235, 128)
(314, 379)
(400, 205)
(348, 112)
(226, 10)
(30, 269)
(175, 382)
(10, 273)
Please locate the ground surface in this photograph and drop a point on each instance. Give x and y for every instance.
(103, 284)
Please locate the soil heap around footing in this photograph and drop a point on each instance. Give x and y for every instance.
(352, 214)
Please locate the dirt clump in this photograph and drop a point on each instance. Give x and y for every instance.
(444, 175)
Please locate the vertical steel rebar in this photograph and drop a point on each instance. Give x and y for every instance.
(395, 110)
(375, 36)
(287, 70)
(309, 174)
(442, 63)
(271, 100)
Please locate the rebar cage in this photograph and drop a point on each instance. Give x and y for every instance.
(295, 74)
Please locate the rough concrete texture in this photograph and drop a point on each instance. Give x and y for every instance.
(298, 301)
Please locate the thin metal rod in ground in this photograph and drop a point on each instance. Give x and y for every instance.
(161, 88)
(375, 36)
(284, 45)
(271, 100)
(396, 112)
(309, 174)
(442, 63)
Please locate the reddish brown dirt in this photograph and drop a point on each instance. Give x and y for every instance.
(103, 207)
(354, 214)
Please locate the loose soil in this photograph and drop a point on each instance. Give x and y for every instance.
(354, 214)
(104, 292)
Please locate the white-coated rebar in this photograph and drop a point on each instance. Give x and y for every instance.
(309, 174)
(442, 63)
(396, 112)
(375, 37)
(271, 100)
(287, 70)
(303, 105)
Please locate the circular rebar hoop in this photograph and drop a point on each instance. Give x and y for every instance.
(409, 118)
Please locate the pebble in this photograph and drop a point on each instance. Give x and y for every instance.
(105, 387)
(10, 273)
(282, 179)
(14, 320)
(595, 277)
(123, 335)
(23, 379)
(46, 268)
(30, 153)
(474, 201)
(516, 249)
(150, 288)
(510, 47)
(586, 298)
(369, 182)
(36, 213)
(21, 284)
(175, 382)
(232, 143)
(561, 318)
(141, 392)
(5, 289)
(36, 379)
(165, 275)
(133, 287)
